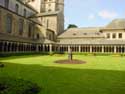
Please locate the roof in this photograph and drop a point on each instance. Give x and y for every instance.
(91, 41)
(82, 32)
(46, 41)
(117, 23)
(8, 37)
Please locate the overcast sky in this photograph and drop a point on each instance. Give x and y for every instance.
(85, 13)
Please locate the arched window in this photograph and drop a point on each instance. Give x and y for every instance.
(6, 3)
(21, 24)
(17, 8)
(9, 23)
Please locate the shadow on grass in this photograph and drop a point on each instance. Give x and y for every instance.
(56, 80)
(22, 56)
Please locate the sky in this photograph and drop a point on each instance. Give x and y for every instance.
(92, 13)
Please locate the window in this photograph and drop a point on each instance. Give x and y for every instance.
(120, 35)
(108, 35)
(113, 35)
(6, 3)
(9, 23)
(24, 13)
(49, 10)
(17, 8)
(21, 22)
(37, 36)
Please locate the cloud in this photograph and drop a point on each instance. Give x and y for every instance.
(91, 17)
(105, 14)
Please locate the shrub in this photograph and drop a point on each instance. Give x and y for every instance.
(17, 86)
(1, 65)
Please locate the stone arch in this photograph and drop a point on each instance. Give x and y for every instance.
(1, 46)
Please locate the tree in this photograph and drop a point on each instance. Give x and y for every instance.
(72, 26)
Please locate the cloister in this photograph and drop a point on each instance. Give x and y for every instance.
(15, 47)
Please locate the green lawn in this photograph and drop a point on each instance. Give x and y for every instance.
(100, 75)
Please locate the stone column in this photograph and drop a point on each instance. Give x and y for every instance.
(37, 48)
(43, 48)
(79, 48)
(50, 48)
(115, 49)
(90, 49)
(68, 48)
(102, 49)
(59, 48)
(17, 47)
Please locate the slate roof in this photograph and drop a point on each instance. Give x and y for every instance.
(91, 41)
(117, 23)
(8, 37)
(82, 32)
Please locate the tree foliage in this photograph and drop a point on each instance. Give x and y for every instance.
(72, 26)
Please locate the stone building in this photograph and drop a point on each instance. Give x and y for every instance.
(38, 26)
(108, 39)
(30, 25)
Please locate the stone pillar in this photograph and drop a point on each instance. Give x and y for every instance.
(17, 49)
(68, 48)
(37, 48)
(50, 48)
(90, 49)
(43, 48)
(115, 49)
(79, 48)
(59, 48)
(102, 49)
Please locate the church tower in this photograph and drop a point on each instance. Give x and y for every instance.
(53, 15)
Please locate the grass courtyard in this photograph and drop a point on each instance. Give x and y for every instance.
(100, 75)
